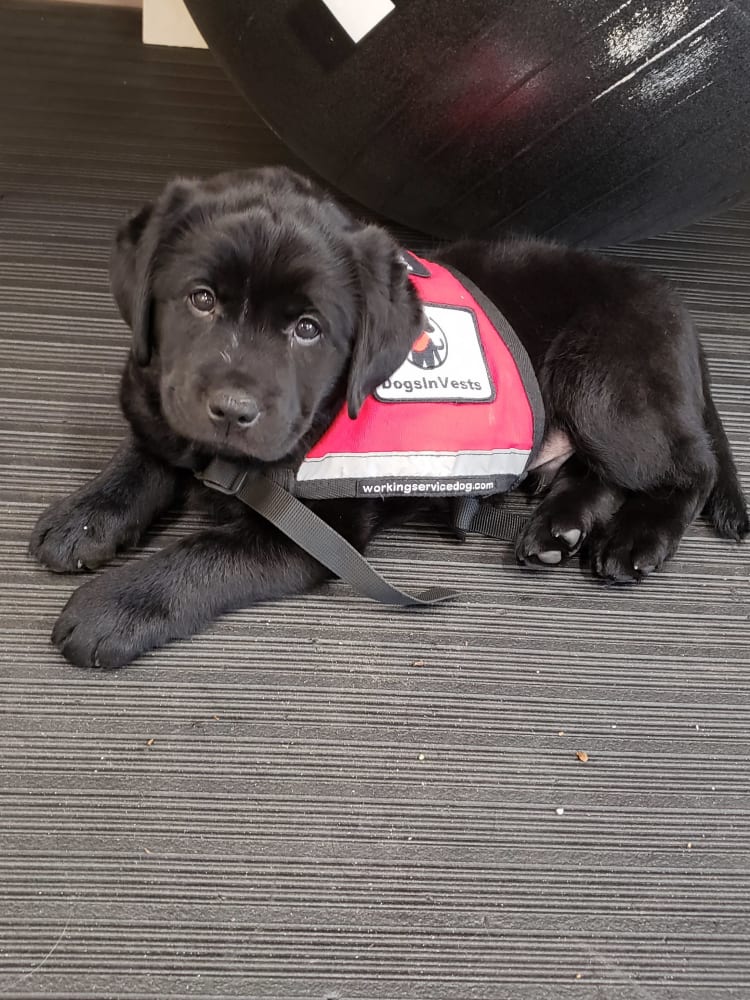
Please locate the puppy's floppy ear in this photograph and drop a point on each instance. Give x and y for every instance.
(124, 283)
(390, 315)
(132, 263)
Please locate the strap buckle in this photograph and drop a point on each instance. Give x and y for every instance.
(223, 476)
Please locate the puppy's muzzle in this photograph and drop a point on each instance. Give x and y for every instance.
(234, 410)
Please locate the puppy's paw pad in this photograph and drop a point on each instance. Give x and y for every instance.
(571, 537)
(550, 558)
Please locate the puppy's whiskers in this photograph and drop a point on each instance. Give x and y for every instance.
(225, 356)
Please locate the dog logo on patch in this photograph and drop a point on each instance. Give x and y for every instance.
(446, 363)
(430, 349)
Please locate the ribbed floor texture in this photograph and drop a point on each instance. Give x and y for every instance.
(320, 798)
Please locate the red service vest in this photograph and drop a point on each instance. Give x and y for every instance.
(462, 416)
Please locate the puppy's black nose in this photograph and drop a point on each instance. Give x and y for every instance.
(232, 408)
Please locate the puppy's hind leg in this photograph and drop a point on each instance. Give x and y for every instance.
(628, 384)
(670, 481)
(648, 527)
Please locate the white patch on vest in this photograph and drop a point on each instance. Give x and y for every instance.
(359, 17)
(446, 364)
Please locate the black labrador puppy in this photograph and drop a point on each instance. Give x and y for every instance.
(259, 306)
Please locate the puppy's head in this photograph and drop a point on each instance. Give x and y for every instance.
(257, 305)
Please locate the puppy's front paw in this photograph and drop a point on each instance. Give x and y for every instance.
(80, 533)
(110, 621)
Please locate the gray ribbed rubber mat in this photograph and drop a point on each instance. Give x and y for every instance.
(320, 798)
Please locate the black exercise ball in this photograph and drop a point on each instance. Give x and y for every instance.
(595, 121)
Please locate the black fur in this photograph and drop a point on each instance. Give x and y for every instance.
(620, 367)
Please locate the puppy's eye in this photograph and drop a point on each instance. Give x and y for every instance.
(306, 329)
(202, 300)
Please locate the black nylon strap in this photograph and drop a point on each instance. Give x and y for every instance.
(313, 534)
(471, 516)
(498, 523)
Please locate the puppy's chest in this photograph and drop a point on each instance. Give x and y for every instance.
(216, 508)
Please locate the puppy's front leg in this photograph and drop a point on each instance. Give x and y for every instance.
(86, 529)
(174, 594)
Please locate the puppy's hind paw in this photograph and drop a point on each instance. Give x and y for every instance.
(624, 557)
(548, 540)
(546, 544)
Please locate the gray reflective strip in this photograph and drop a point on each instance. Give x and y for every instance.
(430, 465)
